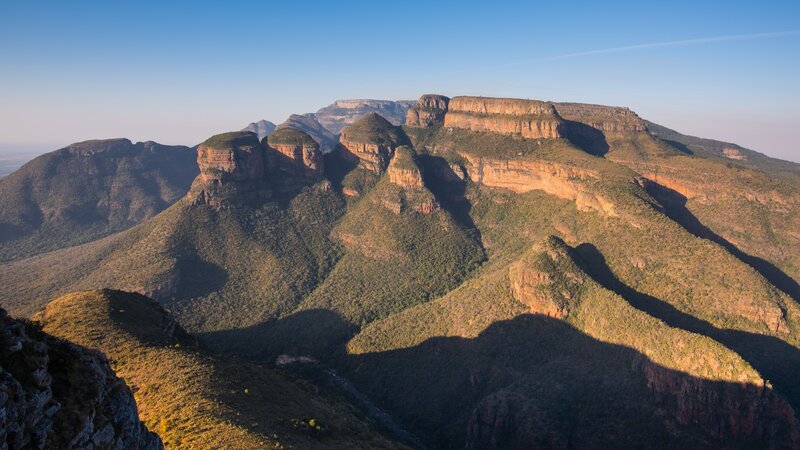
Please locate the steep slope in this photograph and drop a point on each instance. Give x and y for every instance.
(327, 141)
(342, 113)
(89, 190)
(500, 273)
(749, 208)
(197, 400)
(397, 227)
(243, 234)
(55, 394)
(262, 128)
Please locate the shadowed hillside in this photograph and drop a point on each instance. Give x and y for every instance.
(88, 190)
(196, 400)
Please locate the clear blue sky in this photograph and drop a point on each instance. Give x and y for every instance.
(176, 72)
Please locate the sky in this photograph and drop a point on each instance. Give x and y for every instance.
(177, 72)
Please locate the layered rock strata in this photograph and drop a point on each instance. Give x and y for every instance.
(372, 140)
(295, 156)
(405, 174)
(522, 176)
(528, 118)
(232, 170)
(608, 119)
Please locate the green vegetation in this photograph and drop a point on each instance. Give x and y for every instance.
(426, 255)
(663, 295)
(232, 139)
(89, 190)
(193, 399)
(374, 129)
(290, 136)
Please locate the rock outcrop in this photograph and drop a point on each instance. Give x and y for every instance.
(372, 139)
(262, 128)
(345, 112)
(295, 156)
(608, 119)
(546, 279)
(557, 179)
(743, 411)
(327, 141)
(232, 170)
(428, 111)
(528, 118)
(54, 394)
(404, 173)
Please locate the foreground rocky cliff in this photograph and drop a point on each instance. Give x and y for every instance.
(54, 394)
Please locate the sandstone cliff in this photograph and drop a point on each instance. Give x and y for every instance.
(609, 119)
(535, 284)
(372, 139)
(557, 179)
(404, 173)
(295, 156)
(232, 168)
(732, 402)
(528, 118)
(54, 394)
(428, 111)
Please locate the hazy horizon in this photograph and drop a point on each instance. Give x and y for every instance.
(178, 73)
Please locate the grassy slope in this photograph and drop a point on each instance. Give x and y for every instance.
(658, 260)
(195, 400)
(753, 210)
(260, 261)
(393, 261)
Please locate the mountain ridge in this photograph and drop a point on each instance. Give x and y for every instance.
(419, 261)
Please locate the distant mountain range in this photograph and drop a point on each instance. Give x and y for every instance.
(482, 273)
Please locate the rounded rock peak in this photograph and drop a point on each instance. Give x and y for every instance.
(434, 101)
(290, 136)
(232, 139)
(374, 129)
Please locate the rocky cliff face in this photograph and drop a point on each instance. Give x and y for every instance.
(528, 118)
(404, 173)
(523, 176)
(232, 170)
(543, 290)
(327, 141)
(428, 111)
(295, 155)
(743, 411)
(54, 394)
(372, 139)
(609, 119)
(345, 112)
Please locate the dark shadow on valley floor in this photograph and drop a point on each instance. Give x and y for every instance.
(773, 358)
(529, 382)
